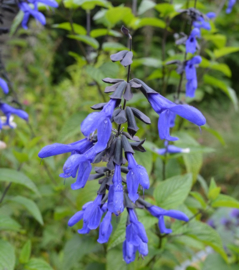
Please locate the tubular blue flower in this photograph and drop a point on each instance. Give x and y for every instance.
(211, 223)
(27, 10)
(211, 15)
(191, 75)
(160, 213)
(100, 121)
(191, 43)
(116, 193)
(136, 175)
(201, 23)
(129, 251)
(8, 111)
(50, 3)
(105, 229)
(230, 5)
(54, 149)
(172, 149)
(4, 86)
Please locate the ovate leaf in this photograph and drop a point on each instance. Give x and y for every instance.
(30, 206)
(25, 252)
(9, 175)
(173, 191)
(149, 22)
(8, 223)
(88, 40)
(7, 256)
(225, 201)
(78, 29)
(224, 51)
(145, 5)
(37, 264)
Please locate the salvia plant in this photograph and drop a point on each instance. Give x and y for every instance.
(106, 140)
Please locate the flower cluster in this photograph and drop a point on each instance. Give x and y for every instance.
(116, 147)
(31, 9)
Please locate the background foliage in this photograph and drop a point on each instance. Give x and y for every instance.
(57, 86)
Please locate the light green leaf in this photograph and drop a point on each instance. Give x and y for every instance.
(149, 22)
(110, 46)
(71, 127)
(37, 264)
(173, 191)
(33, 142)
(147, 61)
(118, 235)
(203, 183)
(88, 40)
(90, 4)
(214, 133)
(21, 157)
(221, 85)
(7, 223)
(215, 261)
(7, 256)
(214, 191)
(116, 14)
(165, 9)
(144, 6)
(30, 206)
(10, 175)
(25, 252)
(225, 201)
(78, 29)
(204, 233)
(199, 198)
(221, 67)
(224, 51)
(156, 74)
(218, 40)
(104, 32)
(16, 22)
(95, 73)
(115, 261)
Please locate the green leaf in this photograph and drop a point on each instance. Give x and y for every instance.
(78, 29)
(144, 6)
(203, 183)
(109, 46)
(199, 198)
(71, 127)
(10, 175)
(221, 85)
(104, 32)
(16, 22)
(95, 73)
(218, 40)
(147, 61)
(173, 191)
(149, 22)
(224, 51)
(215, 133)
(7, 223)
(164, 9)
(30, 206)
(7, 256)
(225, 201)
(90, 4)
(156, 74)
(145, 159)
(88, 40)
(25, 252)
(37, 264)
(221, 67)
(116, 14)
(214, 191)
(204, 233)
(118, 235)
(21, 157)
(33, 142)
(215, 261)
(115, 261)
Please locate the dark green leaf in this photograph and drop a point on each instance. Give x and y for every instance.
(88, 40)
(7, 256)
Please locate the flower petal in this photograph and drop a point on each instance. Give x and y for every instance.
(91, 123)
(162, 227)
(83, 175)
(164, 126)
(76, 218)
(4, 86)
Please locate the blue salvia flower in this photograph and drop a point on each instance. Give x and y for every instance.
(191, 43)
(160, 213)
(171, 149)
(9, 110)
(4, 86)
(191, 75)
(136, 238)
(50, 3)
(116, 193)
(100, 121)
(201, 23)
(91, 214)
(230, 5)
(105, 228)
(136, 176)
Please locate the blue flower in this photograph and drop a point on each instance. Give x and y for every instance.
(27, 10)
(105, 228)
(136, 175)
(54, 149)
(136, 238)
(230, 5)
(50, 3)
(8, 111)
(172, 149)
(116, 193)
(4, 86)
(191, 75)
(191, 43)
(100, 121)
(160, 213)
(91, 214)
